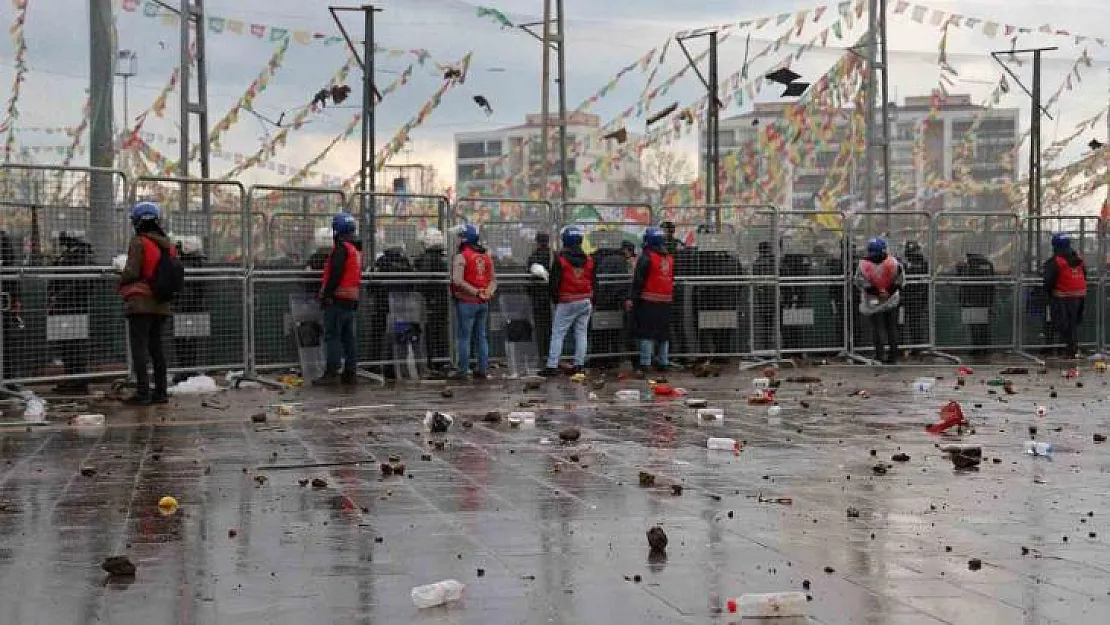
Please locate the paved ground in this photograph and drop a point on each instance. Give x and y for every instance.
(558, 532)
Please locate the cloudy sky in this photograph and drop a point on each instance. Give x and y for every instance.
(602, 37)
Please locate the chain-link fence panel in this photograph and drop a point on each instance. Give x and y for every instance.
(508, 228)
(206, 218)
(300, 238)
(908, 236)
(62, 319)
(975, 282)
(408, 307)
(1040, 329)
(812, 278)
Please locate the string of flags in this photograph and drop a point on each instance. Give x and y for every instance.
(217, 25)
(19, 43)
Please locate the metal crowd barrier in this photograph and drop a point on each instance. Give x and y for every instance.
(754, 283)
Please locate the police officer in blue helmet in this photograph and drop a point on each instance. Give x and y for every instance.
(1065, 281)
(879, 276)
(340, 291)
(650, 299)
(572, 282)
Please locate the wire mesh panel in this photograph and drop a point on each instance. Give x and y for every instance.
(401, 221)
(1039, 330)
(208, 216)
(975, 279)
(688, 222)
(62, 319)
(812, 278)
(908, 238)
(508, 228)
(300, 238)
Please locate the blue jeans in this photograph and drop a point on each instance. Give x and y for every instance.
(472, 325)
(340, 339)
(568, 315)
(646, 348)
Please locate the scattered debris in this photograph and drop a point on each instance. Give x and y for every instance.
(387, 469)
(853, 513)
(879, 469)
(319, 482)
(784, 501)
(232, 533)
(951, 415)
(647, 479)
(492, 416)
(303, 482)
(900, 457)
(481, 572)
(657, 540)
(437, 422)
(1100, 438)
(830, 570)
(532, 385)
(447, 393)
(260, 480)
(974, 564)
(1014, 371)
(426, 457)
(118, 566)
(570, 434)
(676, 490)
(88, 471)
(258, 417)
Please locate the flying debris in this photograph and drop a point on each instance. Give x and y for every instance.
(1095, 145)
(661, 114)
(339, 93)
(783, 76)
(687, 116)
(621, 135)
(795, 89)
(483, 104)
(321, 98)
(452, 74)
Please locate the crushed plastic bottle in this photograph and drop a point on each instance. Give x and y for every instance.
(723, 444)
(924, 385)
(769, 605)
(35, 411)
(1038, 448)
(711, 414)
(628, 394)
(438, 593)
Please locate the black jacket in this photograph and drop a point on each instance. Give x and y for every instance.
(640, 273)
(1052, 272)
(431, 260)
(577, 259)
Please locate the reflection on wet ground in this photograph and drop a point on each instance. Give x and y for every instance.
(548, 533)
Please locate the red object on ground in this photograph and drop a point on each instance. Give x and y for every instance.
(965, 370)
(951, 415)
(664, 390)
(732, 607)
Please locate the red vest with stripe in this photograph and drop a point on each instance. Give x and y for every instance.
(880, 275)
(350, 279)
(576, 284)
(1070, 281)
(477, 272)
(659, 283)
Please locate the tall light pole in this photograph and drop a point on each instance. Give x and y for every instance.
(127, 66)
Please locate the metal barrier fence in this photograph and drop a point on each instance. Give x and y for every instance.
(751, 282)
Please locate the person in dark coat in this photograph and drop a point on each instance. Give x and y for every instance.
(1065, 281)
(649, 301)
(437, 300)
(611, 297)
(763, 299)
(977, 296)
(392, 260)
(190, 301)
(915, 297)
(538, 291)
(11, 308)
(72, 297)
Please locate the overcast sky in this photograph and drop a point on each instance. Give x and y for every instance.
(602, 37)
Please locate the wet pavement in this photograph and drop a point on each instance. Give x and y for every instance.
(542, 532)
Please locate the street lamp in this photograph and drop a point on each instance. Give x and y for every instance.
(127, 65)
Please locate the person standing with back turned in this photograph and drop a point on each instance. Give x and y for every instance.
(573, 282)
(1065, 280)
(473, 284)
(650, 300)
(341, 285)
(880, 277)
(146, 286)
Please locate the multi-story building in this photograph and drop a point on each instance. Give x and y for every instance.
(507, 162)
(946, 136)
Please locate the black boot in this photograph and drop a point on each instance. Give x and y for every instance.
(330, 378)
(349, 378)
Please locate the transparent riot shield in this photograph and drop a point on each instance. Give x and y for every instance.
(307, 321)
(406, 325)
(519, 329)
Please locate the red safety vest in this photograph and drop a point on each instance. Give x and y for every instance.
(1070, 281)
(152, 253)
(659, 284)
(477, 272)
(576, 284)
(880, 275)
(351, 278)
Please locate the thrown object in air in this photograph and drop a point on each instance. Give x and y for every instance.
(620, 135)
(661, 114)
(483, 104)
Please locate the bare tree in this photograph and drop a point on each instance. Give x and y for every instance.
(662, 171)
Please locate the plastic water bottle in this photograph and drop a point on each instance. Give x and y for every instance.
(628, 394)
(722, 444)
(438, 593)
(1038, 448)
(769, 605)
(35, 412)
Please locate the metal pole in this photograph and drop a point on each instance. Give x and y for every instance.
(713, 141)
(200, 108)
(545, 96)
(366, 165)
(101, 140)
(872, 62)
(883, 107)
(564, 178)
(1035, 160)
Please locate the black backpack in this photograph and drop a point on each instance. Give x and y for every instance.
(169, 275)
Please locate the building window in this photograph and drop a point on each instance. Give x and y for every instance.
(493, 148)
(472, 149)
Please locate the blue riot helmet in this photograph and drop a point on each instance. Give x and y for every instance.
(572, 236)
(876, 246)
(343, 223)
(653, 236)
